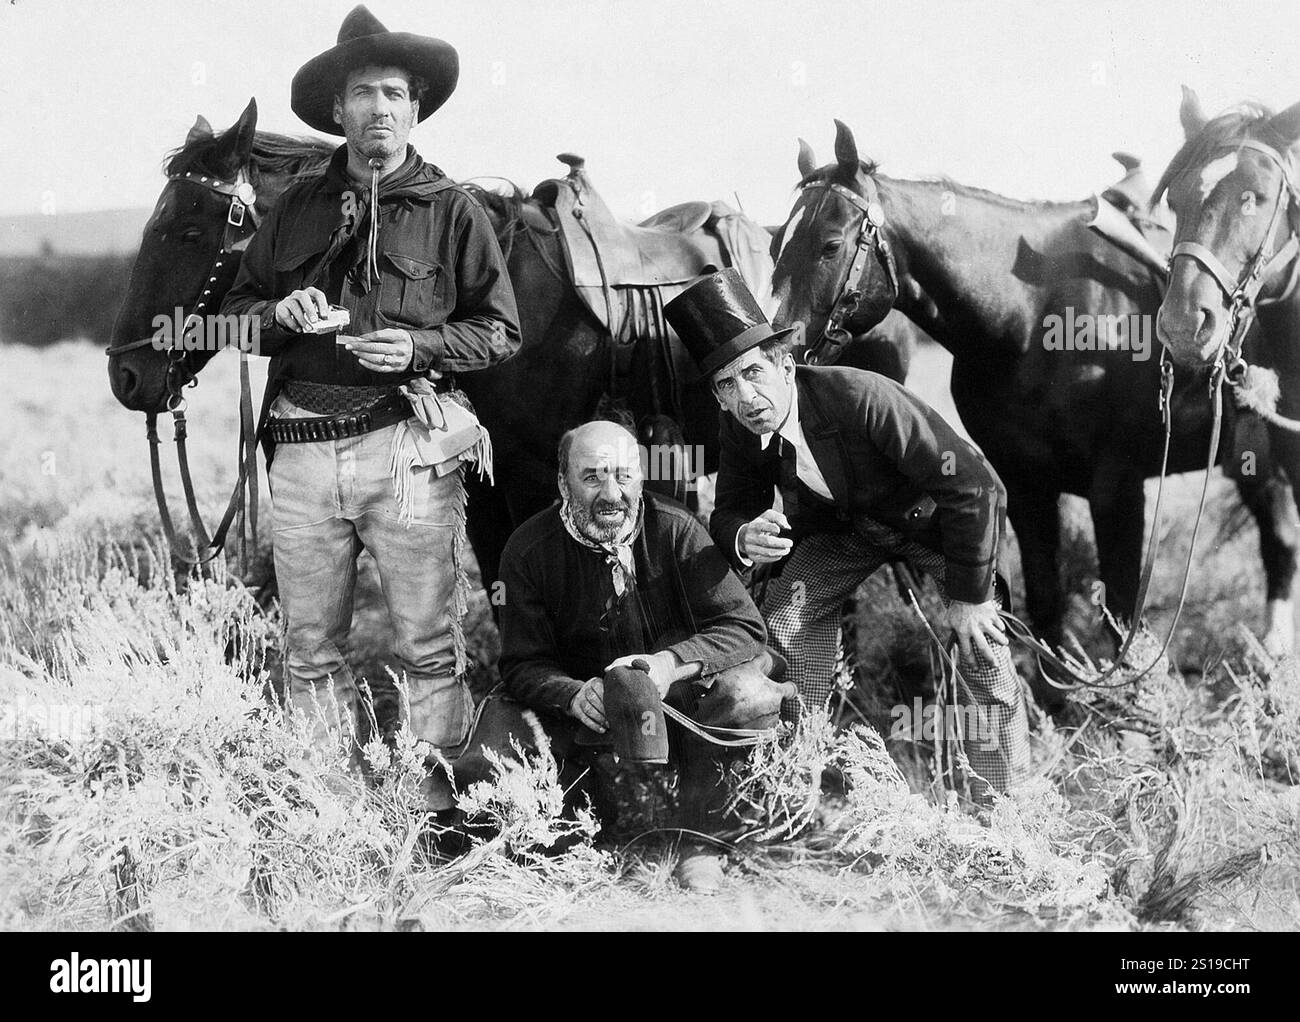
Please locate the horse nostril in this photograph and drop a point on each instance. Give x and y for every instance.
(127, 382)
(1206, 322)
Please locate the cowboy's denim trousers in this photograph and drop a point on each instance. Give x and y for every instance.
(332, 499)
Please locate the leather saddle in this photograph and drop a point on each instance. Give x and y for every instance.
(625, 272)
(1130, 196)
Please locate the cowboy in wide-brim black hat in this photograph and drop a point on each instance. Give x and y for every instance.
(351, 399)
(364, 42)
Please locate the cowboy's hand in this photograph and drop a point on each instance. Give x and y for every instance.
(976, 624)
(664, 668)
(301, 309)
(761, 540)
(382, 351)
(588, 705)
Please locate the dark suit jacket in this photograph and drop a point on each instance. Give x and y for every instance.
(885, 454)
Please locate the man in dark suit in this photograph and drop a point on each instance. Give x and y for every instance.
(867, 473)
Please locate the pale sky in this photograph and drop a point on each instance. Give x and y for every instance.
(667, 100)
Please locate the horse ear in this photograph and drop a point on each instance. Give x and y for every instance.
(1127, 160)
(237, 143)
(807, 161)
(1191, 114)
(846, 150)
(1286, 125)
(202, 129)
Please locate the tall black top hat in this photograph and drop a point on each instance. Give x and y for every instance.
(364, 42)
(718, 319)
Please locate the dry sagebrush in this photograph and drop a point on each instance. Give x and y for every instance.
(187, 802)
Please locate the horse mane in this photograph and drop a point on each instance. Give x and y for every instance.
(284, 155)
(506, 211)
(496, 202)
(1238, 122)
(871, 167)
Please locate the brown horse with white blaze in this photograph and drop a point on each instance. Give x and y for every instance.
(1234, 193)
(1006, 286)
(1232, 295)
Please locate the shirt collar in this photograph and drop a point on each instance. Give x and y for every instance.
(790, 428)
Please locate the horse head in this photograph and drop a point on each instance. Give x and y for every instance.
(834, 270)
(1233, 192)
(180, 269)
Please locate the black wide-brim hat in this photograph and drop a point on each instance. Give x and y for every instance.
(364, 42)
(718, 319)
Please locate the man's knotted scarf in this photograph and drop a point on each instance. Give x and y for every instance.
(618, 552)
(407, 183)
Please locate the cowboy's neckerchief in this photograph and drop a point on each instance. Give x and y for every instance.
(356, 212)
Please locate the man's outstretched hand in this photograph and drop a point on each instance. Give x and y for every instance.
(976, 625)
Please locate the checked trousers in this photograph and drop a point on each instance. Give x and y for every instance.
(802, 608)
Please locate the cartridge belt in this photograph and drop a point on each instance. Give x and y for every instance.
(384, 412)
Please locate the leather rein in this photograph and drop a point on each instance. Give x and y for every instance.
(1228, 366)
(242, 221)
(871, 242)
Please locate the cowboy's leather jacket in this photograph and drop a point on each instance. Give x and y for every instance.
(442, 277)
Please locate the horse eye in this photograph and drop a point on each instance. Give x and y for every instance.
(191, 235)
(832, 246)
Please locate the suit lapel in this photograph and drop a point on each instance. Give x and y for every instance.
(822, 434)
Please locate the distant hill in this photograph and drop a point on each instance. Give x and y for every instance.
(106, 232)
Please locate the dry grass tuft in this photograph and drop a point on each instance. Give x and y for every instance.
(147, 780)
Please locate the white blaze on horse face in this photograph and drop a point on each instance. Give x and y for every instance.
(1215, 171)
(789, 231)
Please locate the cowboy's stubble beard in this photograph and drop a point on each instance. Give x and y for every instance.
(383, 146)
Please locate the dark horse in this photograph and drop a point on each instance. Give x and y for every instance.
(1232, 189)
(563, 362)
(1008, 287)
(555, 381)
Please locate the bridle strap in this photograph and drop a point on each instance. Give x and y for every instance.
(242, 222)
(871, 241)
(1210, 262)
(1018, 630)
(1242, 293)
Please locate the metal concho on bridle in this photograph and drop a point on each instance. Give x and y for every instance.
(1243, 292)
(871, 239)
